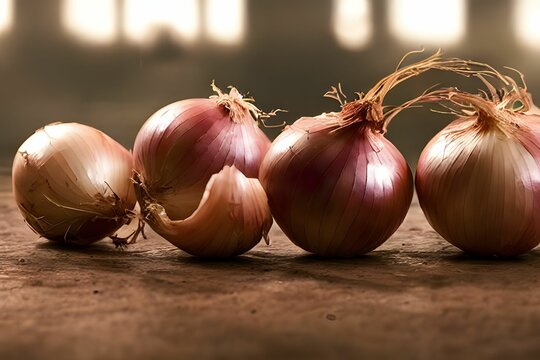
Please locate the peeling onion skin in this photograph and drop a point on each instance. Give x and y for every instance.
(478, 184)
(72, 183)
(232, 217)
(183, 144)
(336, 193)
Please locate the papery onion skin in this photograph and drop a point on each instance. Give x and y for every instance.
(232, 217)
(183, 144)
(478, 183)
(336, 192)
(72, 183)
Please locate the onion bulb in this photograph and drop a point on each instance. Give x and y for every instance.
(72, 183)
(176, 153)
(478, 180)
(336, 186)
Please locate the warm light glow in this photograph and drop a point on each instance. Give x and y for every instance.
(527, 22)
(40, 142)
(380, 174)
(225, 20)
(286, 142)
(351, 22)
(6, 15)
(91, 20)
(145, 19)
(428, 22)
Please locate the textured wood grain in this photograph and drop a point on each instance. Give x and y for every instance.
(415, 297)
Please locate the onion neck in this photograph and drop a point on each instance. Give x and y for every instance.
(487, 120)
(488, 114)
(368, 108)
(241, 110)
(363, 112)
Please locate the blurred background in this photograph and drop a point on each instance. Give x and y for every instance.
(112, 63)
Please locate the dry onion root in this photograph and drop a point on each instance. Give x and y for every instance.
(336, 185)
(72, 184)
(177, 153)
(478, 180)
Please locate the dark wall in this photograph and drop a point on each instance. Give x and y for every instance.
(288, 59)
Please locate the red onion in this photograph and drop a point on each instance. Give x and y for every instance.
(336, 185)
(336, 191)
(178, 150)
(72, 183)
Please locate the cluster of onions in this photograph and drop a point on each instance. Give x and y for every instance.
(196, 165)
(333, 182)
(336, 186)
(72, 184)
(478, 180)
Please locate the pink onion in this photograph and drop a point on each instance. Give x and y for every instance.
(183, 144)
(180, 148)
(478, 180)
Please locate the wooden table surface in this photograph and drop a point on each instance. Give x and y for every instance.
(415, 297)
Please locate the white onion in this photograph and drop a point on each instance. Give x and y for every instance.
(72, 183)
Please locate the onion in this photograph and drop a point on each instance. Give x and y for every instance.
(478, 180)
(336, 185)
(72, 183)
(176, 153)
(339, 193)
